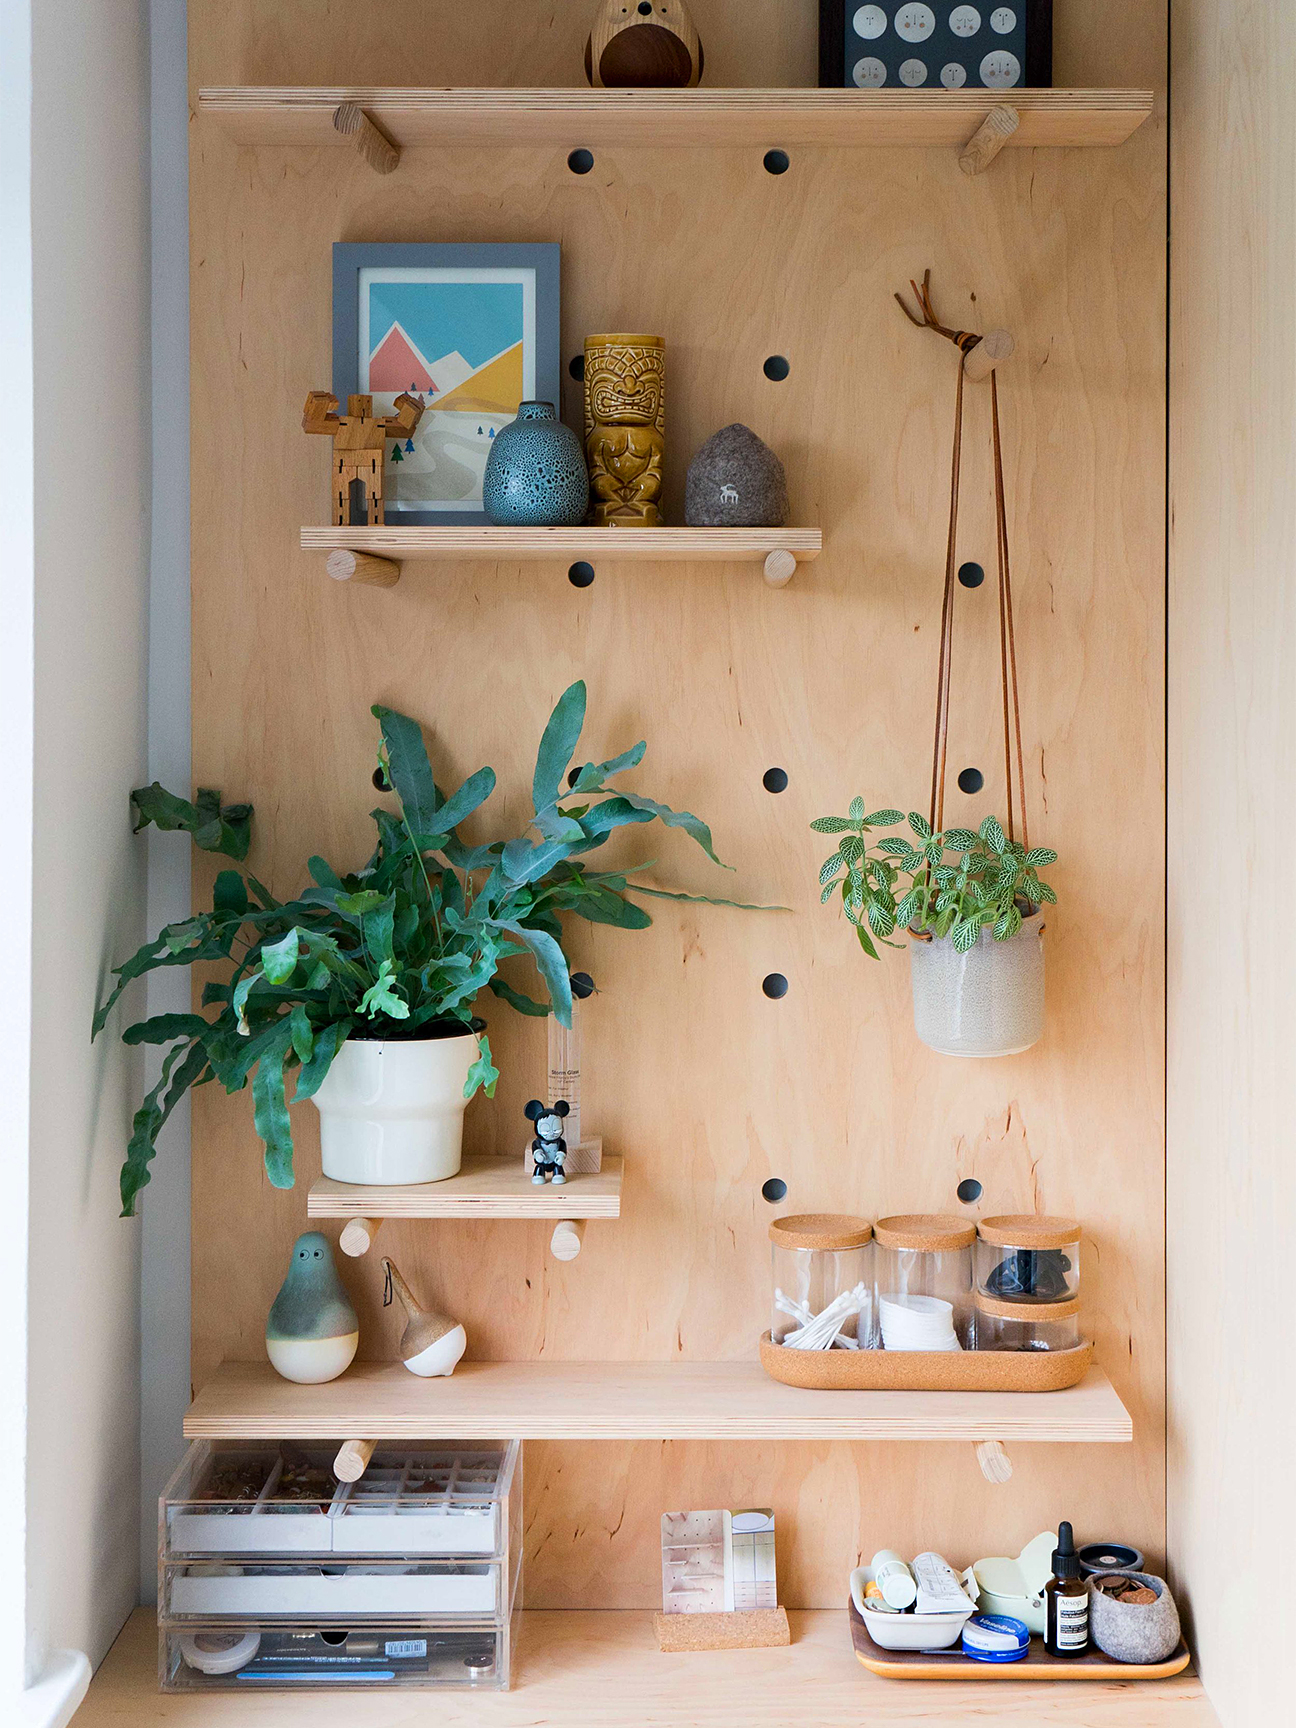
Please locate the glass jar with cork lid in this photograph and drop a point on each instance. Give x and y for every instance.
(823, 1282)
(1031, 1259)
(923, 1271)
(1004, 1325)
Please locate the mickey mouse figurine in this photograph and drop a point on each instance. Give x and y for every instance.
(548, 1149)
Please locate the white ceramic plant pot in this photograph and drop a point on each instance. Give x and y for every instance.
(391, 1111)
(987, 1002)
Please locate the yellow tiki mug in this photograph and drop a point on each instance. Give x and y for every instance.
(625, 428)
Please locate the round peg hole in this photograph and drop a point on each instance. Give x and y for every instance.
(776, 368)
(581, 574)
(581, 161)
(381, 781)
(775, 985)
(774, 1190)
(576, 368)
(777, 162)
(971, 780)
(968, 1190)
(774, 780)
(644, 8)
(971, 575)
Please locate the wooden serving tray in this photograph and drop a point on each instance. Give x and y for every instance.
(1036, 1664)
(926, 1371)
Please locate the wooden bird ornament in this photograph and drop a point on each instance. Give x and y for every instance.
(431, 1343)
(359, 451)
(643, 45)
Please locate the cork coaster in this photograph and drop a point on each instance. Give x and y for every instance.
(755, 1629)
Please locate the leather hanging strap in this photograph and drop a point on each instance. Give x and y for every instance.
(965, 341)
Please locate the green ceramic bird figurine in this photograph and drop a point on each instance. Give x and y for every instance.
(312, 1331)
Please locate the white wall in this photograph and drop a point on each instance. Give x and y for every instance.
(1231, 1174)
(77, 506)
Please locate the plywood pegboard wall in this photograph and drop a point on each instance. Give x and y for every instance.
(705, 1085)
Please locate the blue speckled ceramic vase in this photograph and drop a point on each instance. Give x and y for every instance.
(535, 473)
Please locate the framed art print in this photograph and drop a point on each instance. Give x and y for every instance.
(469, 332)
(936, 44)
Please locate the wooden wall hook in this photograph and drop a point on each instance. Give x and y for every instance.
(353, 1459)
(363, 567)
(358, 1235)
(989, 139)
(992, 350)
(996, 1465)
(568, 1234)
(780, 567)
(379, 151)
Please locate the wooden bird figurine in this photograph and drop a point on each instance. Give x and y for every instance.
(643, 45)
(359, 450)
(312, 1331)
(431, 1343)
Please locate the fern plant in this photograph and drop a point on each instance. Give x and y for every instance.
(954, 884)
(398, 948)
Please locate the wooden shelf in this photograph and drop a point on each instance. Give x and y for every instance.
(376, 554)
(484, 1188)
(550, 1400)
(605, 1671)
(683, 118)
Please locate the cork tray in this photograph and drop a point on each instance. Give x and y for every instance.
(1036, 1664)
(926, 1371)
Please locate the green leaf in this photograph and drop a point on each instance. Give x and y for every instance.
(279, 959)
(322, 871)
(162, 1028)
(966, 933)
(151, 1116)
(831, 825)
(866, 943)
(993, 835)
(883, 818)
(828, 892)
(215, 827)
(881, 922)
(328, 1041)
(552, 965)
(1007, 924)
(558, 744)
(856, 811)
(1039, 857)
(483, 1072)
(408, 769)
(593, 774)
(961, 839)
(685, 819)
(908, 907)
(920, 825)
(706, 899)
(516, 999)
(230, 893)
(1043, 894)
(271, 1112)
(852, 849)
(831, 866)
(302, 1033)
(471, 796)
(895, 848)
(382, 996)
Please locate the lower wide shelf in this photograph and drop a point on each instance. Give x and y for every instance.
(605, 1671)
(550, 1400)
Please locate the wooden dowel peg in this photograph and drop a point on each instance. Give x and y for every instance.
(780, 567)
(363, 567)
(371, 141)
(992, 350)
(565, 1243)
(996, 1465)
(989, 139)
(357, 1236)
(353, 1459)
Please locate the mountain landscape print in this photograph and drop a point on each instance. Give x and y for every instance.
(461, 348)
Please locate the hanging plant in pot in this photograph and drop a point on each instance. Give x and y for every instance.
(970, 900)
(365, 983)
(971, 903)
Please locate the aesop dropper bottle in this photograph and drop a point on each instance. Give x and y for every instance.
(1066, 1598)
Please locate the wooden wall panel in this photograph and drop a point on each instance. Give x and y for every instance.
(1232, 1007)
(706, 1086)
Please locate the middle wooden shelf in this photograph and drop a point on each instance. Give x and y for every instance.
(484, 1188)
(551, 1400)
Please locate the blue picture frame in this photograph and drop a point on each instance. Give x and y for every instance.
(473, 326)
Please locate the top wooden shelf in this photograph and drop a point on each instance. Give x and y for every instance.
(676, 118)
(550, 1400)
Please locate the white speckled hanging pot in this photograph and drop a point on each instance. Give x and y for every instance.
(391, 1110)
(987, 1002)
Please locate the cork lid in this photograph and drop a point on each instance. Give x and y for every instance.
(823, 1230)
(929, 1233)
(1032, 1311)
(1026, 1231)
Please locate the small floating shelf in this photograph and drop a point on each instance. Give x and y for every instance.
(484, 1188)
(685, 118)
(375, 555)
(549, 1400)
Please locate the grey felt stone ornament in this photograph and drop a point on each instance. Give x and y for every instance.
(735, 481)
